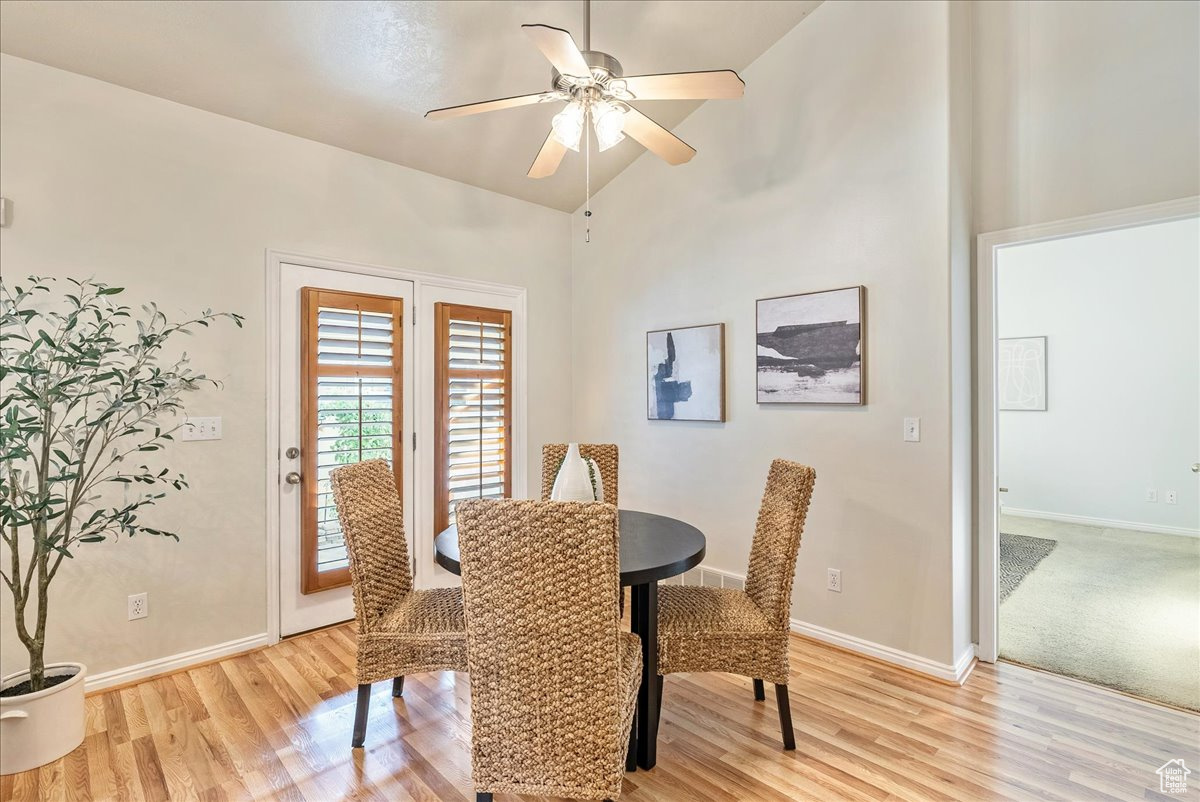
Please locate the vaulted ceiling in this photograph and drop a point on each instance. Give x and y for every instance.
(360, 75)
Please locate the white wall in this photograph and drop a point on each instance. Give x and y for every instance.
(833, 170)
(844, 163)
(1083, 107)
(1121, 314)
(179, 206)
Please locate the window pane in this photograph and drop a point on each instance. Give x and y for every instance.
(354, 423)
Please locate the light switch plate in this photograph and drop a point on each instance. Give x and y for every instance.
(201, 429)
(912, 430)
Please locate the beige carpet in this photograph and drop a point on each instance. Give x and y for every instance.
(1110, 606)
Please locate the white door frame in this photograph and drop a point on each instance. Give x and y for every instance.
(425, 286)
(986, 459)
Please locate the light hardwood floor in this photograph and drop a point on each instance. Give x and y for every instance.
(275, 724)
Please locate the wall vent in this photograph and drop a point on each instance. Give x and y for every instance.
(709, 578)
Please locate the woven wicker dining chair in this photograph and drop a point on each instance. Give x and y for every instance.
(554, 680)
(401, 631)
(745, 631)
(605, 455)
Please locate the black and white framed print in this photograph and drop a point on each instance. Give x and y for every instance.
(685, 373)
(811, 348)
(1021, 373)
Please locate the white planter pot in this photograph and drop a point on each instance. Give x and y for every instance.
(39, 728)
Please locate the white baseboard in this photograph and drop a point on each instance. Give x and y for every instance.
(1103, 523)
(172, 663)
(957, 673)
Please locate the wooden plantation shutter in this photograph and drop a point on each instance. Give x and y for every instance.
(350, 411)
(473, 457)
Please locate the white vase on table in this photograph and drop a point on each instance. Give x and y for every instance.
(574, 481)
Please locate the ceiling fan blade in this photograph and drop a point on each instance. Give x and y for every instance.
(548, 158)
(561, 50)
(656, 139)
(491, 105)
(686, 85)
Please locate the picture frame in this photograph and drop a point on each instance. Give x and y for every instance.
(811, 347)
(1022, 381)
(685, 373)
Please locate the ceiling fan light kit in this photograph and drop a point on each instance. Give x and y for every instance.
(595, 88)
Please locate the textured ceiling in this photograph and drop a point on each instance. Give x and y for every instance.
(360, 75)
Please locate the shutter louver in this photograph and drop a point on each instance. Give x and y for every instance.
(474, 375)
(353, 414)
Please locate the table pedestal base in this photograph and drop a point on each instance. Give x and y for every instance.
(644, 619)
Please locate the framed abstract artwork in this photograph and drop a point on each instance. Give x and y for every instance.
(685, 373)
(811, 348)
(1021, 374)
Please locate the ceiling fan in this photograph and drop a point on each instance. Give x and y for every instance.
(594, 87)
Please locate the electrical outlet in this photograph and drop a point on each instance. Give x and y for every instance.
(1172, 497)
(1152, 495)
(912, 430)
(201, 429)
(833, 580)
(139, 606)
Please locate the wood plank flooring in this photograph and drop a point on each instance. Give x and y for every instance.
(275, 724)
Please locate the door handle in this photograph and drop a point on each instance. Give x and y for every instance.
(1003, 489)
(1196, 467)
(292, 478)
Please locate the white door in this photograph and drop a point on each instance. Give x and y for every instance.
(346, 390)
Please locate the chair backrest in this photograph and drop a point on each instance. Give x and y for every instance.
(777, 538)
(540, 581)
(605, 455)
(369, 507)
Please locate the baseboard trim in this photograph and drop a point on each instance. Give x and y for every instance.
(1104, 523)
(956, 674)
(106, 680)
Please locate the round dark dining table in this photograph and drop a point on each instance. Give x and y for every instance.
(653, 547)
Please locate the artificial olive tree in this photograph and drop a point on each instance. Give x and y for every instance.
(88, 390)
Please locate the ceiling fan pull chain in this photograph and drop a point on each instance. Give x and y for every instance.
(587, 178)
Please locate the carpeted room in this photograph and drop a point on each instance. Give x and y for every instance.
(1109, 606)
(1099, 555)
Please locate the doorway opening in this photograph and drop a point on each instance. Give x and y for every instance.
(1094, 530)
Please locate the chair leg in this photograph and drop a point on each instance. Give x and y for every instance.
(483, 798)
(360, 716)
(759, 693)
(785, 716)
(631, 753)
(398, 687)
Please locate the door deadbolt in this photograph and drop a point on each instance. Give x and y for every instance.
(292, 452)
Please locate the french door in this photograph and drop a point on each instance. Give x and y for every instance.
(345, 396)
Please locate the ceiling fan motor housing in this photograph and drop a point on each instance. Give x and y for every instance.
(604, 69)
